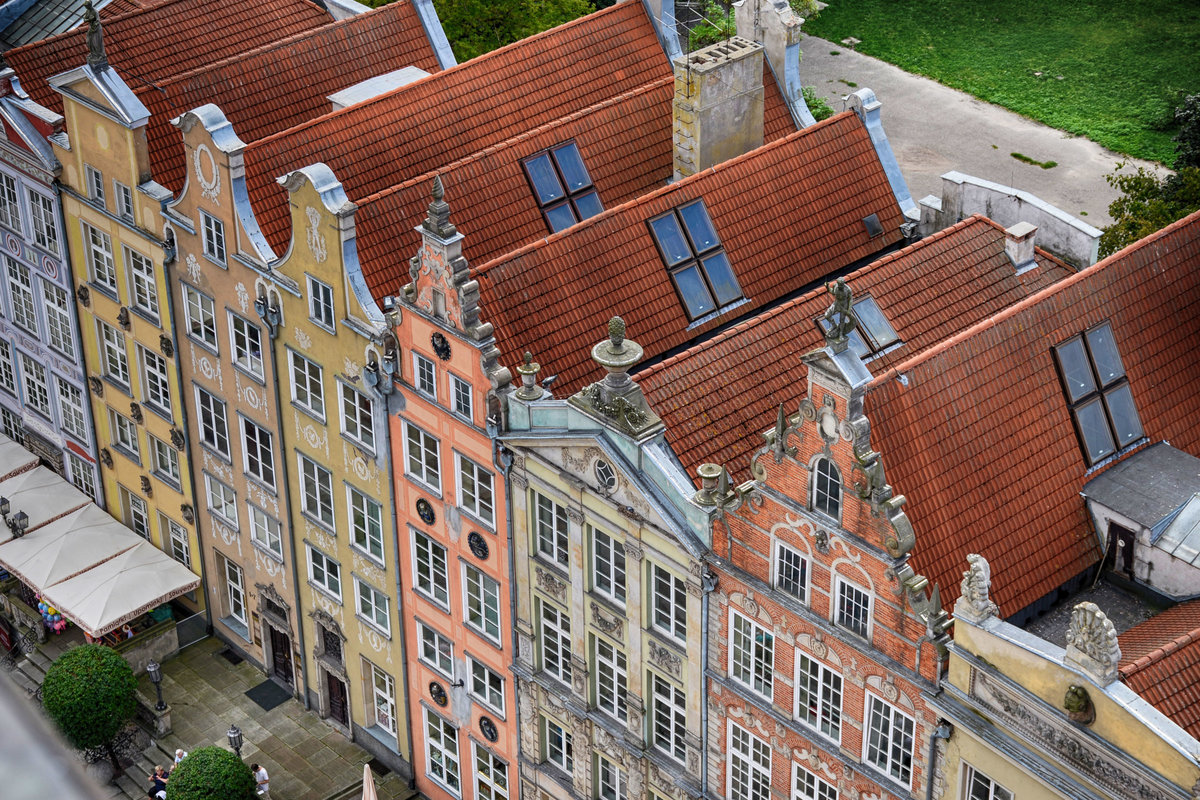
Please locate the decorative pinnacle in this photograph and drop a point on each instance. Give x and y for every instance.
(616, 333)
(438, 191)
(95, 38)
(528, 358)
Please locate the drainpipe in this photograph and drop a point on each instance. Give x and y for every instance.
(942, 731)
(272, 331)
(503, 461)
(708, 582)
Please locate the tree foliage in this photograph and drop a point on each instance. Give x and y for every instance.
(90, 692)
(1187, 141)
(475, 27)
(211, 773)
(1147, 204)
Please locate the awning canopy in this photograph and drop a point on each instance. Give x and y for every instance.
(120, 589)
(42, 494)
(66, 547)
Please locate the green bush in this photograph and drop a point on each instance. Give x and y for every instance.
(817, 106)
(475, 27)
(1187, 141)
(1147, 204)
(90, 692)
(717, 26)
(211, 773)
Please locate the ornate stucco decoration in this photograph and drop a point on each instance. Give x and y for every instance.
(974, 601)
(316, 240)
(210, 185)
(550, 584)
(1092, 644)
(1078, 704)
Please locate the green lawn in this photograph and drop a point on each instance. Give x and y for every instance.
(1110, 71)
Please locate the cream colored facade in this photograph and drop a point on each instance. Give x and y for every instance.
(1033, 720)
(114, 233)
(609, 597)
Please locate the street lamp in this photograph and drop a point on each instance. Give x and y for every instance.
(235, 739)
(155, 673)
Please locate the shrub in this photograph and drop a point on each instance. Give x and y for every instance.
(1147, 204)
(211, 773)
(716, 26)
(817, 106)
(90, 693)
(1187, 141)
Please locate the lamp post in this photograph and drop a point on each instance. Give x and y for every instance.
(235, 739)
(155, 673)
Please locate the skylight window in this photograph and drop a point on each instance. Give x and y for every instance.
(692, 252)
(1098, 393)
(562, 186)
(872, 332)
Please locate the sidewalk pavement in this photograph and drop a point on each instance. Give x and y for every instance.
(306, 758)
(934, 129)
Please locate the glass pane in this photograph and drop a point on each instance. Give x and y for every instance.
(588, 205)
(1077, 372)
(694, 292)
(670, 239)
(571, 165)
(560, 217)
(545, 182)
(874, 324)
(1097, 440)
(857, 343)
(720, 275)
(1123, 414)
(1104, 355)
(695, 218)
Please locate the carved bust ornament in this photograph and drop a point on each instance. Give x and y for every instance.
(1079, 706)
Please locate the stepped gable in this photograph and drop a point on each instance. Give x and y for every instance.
(717, 398)
(1161, 662)
(421, 128)
(787, 214)
(977, 434)
(247, 86)
(153, 43)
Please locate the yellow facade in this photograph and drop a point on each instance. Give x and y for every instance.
(111, 213)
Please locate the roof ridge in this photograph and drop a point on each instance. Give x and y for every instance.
(1032, 300)
(473, 63)
(645, 88)
(1135, 666)
(757, 152)
(263, 48)
(770, 313)
(76, 30)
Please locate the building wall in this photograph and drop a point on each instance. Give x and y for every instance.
(132, 482)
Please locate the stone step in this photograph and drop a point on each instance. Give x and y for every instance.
(130, 787)
(27, 684)
(40, 658)
(31, 671)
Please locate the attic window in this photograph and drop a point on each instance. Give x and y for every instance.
(872, 332)
(1098, 393)
(692, 252)
(871, 223)
(562, 187)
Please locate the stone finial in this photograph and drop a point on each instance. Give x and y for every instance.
(975, 603)
(529, 371)
(439, 191)
(617, 397)
(616, 334)
(95, 38)
(839, 317)
(1092, 644)
(437, 221)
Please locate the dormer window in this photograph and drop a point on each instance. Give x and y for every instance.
(562, 186)
(827, 488)
(1098, 393)
(872, 332)
(214, 237)
(692, 252)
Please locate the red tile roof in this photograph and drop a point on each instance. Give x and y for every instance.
(285, 82)
(718, 397)
(165, 39)
(788, 214)
(976, 432)
(1160, 660)
(465, 109)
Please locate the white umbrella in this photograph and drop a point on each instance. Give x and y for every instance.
(368, 784)
(43, 495)
(66, 547)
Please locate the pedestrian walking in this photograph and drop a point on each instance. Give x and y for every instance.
(263, 780)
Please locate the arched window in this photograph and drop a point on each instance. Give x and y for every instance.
(827, 488)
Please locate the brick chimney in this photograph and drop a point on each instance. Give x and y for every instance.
(718, 109)
(1018, 245)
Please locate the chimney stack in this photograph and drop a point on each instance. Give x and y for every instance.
(1018, 245)
(718, 109)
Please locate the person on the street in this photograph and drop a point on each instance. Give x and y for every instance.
(158, 780)
(180, 755)
(263, 780)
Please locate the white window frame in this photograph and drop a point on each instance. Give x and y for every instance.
(124, 435)
(436, 650)
(222, 500)
(371, 604)
(491, 774)
(135, 512)
(71, 409)
(552, 537)
(481, 600)
(60, 330)
(462, 403)
(425, 466)
(258, 452)
(114, 358)
(751, 655)
(45, 226)
(156, 380)
(316, 492)
(565, 758)
(123, 198)
(265, 530)
(826, 499)
(431, 578)
(366, 523)
(8, 367)
(554, 640)
(475, 490)
(609, 577)
(213, 231)
(164, 461)
(611, 781)
(320, 303)
(807, 786)
(320, 565)
(749, 765)
(424, 376)
(884, 754)
(245, 356)
(610, 679)
(101, 262)
(442, 763)
(235, 591)
(212, 435)
(308, 384)
(23, 305)
(10, 204)
(842, 588)
(95, 183)
(83, 473)
(825, 715)
(143, 283)
(383, 698)
(201, 315)
(175, 537)
(778, 569)
(668, 718)
(486, 686)
(358, 417)
(35, 385)
(973, 778)
(668, 613)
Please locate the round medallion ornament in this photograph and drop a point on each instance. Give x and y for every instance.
(425, 511)
(606, 476)
(478, 544)
(438, 693)
(441, 347)
(488, 729)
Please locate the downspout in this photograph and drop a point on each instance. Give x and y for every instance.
(503, 461)
(942, 731)
(272, 331)
(708, 583)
